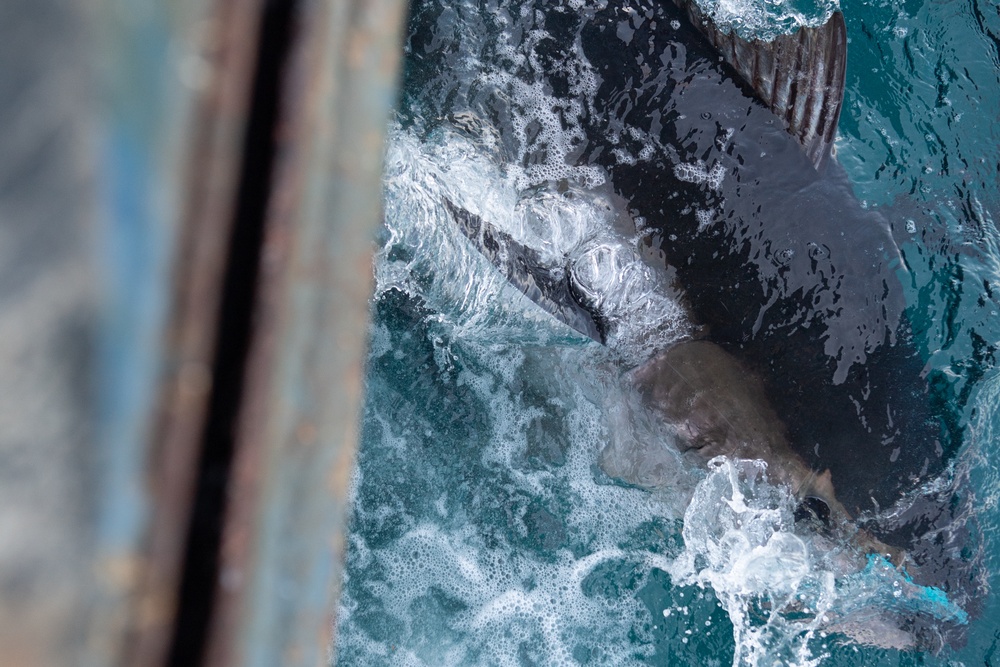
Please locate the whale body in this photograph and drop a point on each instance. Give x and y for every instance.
(720, 148)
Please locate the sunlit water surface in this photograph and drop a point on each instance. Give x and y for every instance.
(485, 530)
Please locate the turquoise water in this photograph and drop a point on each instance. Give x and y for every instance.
(491, 524)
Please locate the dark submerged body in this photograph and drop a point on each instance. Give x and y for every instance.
(792, 275)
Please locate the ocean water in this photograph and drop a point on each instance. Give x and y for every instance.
(515, 503)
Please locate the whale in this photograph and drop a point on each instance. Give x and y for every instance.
(719, 150)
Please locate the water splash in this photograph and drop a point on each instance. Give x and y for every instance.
(766, 19)
(572, 228)
(786, 589)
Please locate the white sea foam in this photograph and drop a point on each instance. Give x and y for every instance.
(503, 599)
(766, 20)
(572, 230)
(705, 218)
(700, 173)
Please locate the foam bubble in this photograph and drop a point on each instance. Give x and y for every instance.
(699, 173)
(705, 218)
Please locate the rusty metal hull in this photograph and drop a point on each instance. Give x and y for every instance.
(136, 368)
(297, 427)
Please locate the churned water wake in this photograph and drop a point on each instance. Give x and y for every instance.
(513, 503)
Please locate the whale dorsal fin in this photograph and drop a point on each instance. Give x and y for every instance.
(799, 76)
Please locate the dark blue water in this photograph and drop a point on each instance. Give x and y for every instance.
(491, 524)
